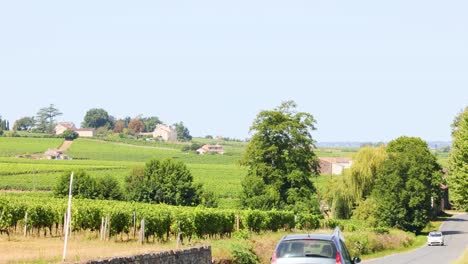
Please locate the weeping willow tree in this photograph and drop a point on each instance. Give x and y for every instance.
(357, 183)
(364, 170)
(341, 197)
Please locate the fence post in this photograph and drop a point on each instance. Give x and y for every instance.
(102, 228)
(141, 239)
(134, 224)
(25, 224)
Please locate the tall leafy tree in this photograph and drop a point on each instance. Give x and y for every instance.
(136, 125)
(183, 134)
(150, 123)
(407, 184)
(1, 126)
(280, 161)
(119, 126)
(95, 118)
(45, 118)
(24, 123)
(165, 181)
(363, 171)
(458, 162)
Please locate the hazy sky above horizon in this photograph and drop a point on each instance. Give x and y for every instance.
(367, 70)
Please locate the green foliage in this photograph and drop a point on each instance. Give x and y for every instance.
(366, 211)
(363, 172)
(409, 177)
(83, 185)
(150, 123)
(70, 134)
(458, 162)
(280, 159)
(192, 147)
(183, 134)
(307, 221)
(257, 220)
(4, 125)
(340, 196)
(24, 124)
(45, 119)
(242, 253)
(95, 118)
(368, 242)
(108, 188)
(165, 181)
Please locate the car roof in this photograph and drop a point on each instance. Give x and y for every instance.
(307, 236)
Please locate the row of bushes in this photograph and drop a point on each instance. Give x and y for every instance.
(160, 220)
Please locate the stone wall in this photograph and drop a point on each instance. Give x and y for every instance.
(197, 255)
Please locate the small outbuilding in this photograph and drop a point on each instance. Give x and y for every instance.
(209, 148)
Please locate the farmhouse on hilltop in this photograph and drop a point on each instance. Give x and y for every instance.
(62, 126)
(334, 165)
(165, 133)
(211, 149)
(82, 132)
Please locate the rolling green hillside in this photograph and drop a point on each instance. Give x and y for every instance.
(220, 174)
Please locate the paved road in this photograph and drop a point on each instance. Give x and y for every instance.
(455, 231)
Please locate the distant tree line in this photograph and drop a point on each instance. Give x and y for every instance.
(45, 121)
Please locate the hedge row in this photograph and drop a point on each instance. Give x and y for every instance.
(160, 220)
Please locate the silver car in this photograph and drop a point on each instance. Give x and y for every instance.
(312, 249)
(435, 238)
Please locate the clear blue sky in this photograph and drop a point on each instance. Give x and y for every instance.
(367, 70)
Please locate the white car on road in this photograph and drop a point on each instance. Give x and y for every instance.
(435, 238)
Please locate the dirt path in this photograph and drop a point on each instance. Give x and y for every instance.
(65, 145)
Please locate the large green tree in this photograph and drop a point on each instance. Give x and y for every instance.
(167, 181)
(407, 183)
(280, 161)
(183, 134)
(458, 162)
(45, 118)
(95, 118)
(24, 123)
(150, 123)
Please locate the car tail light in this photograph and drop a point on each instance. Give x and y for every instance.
(273, 258)
(338, 258)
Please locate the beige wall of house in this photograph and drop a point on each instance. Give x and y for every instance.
(59, 129)
(166, 133)
(85, 133)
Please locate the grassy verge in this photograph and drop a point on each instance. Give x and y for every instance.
(463, 259)
(417, 242)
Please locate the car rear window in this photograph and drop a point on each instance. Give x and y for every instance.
(435, 234)
(306, 248)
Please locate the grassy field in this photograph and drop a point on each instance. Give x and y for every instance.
(220, 173)
(11, 146)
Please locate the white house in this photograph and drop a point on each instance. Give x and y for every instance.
(82, 132)
(165, 133)
(334, 165)
(62, 126)
(86, 132)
